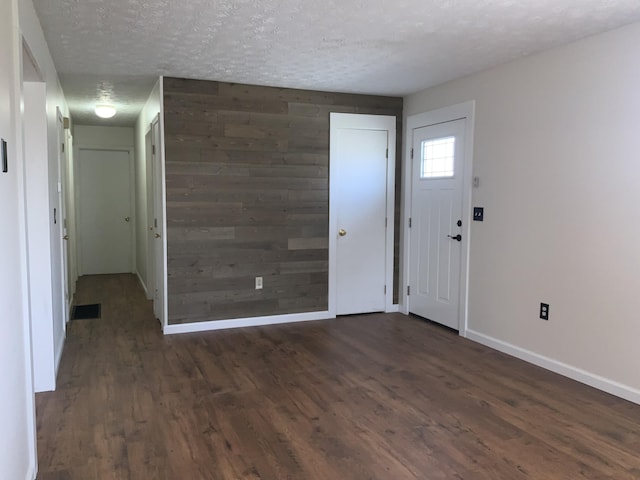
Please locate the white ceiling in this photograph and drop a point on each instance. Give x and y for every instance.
(116, 48)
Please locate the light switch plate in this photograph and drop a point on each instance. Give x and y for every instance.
(5, 161)
(478, 214)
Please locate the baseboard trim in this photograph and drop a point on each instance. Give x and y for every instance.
(32, 472)
(394, 308)
(596, 381)
(246, 322)
(144, 286)
(57, 360)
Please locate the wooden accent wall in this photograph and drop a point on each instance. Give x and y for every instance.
(248, 195)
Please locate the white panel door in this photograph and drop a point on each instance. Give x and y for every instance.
(62, 235)
(361, 194)
(436, 222)
(104, 203)
(158, 223)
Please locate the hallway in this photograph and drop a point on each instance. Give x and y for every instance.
(384, 397)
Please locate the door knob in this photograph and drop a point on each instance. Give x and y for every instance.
(157, 235)
(66, 237)
(457, 237)
(342, 232)
(126, 219)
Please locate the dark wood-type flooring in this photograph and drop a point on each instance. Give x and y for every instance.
(363, 397)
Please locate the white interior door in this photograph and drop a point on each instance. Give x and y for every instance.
(63, 233)
(158, 223)
(151, 278)
(359, 187)
(105, 223)
(436, 222)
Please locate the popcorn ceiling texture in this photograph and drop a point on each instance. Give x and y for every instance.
(360, 46)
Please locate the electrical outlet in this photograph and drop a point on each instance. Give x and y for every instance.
(544, 311)
(258, 283)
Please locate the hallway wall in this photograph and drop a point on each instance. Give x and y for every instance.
(17, 434)
(34, 41)
(143, 180)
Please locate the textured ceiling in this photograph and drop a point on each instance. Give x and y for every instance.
(116, 48)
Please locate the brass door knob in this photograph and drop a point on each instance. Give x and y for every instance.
(342, 232)
(157, 235)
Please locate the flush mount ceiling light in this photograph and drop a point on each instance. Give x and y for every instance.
(105, 111)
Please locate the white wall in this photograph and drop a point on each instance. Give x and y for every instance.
(34, 40)
(557, 144)
(143, 125)
(17, 435)
(91, 136)
(39, 245)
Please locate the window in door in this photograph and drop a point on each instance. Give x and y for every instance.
(437, 158)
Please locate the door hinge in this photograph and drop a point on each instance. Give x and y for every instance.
(153, 149)
(386, 222)
(385, 289)
(412, 154)
(409, 222)
(63, 148)
(387, 153)
(408, 290)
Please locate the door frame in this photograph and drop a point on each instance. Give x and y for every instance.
(61, 242)
(160, 213)
(148, 220)
(362, 122)
(459, 111)
(132, 182)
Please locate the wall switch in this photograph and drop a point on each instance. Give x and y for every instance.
(4, 154)
(544, 311)
(478, 214)
(258, 283)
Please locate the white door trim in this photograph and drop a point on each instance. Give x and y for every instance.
(163, 212)
(364, 122)
(132, 178)
(62, 230)
(159, 181)
(465, 111)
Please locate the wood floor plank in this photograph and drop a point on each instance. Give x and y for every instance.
(383, 396)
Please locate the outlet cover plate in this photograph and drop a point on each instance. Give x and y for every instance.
(478, 214)
(544, 311)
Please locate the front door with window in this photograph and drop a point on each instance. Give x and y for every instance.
(436, 222)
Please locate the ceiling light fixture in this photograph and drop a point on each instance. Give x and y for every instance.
(105, 111)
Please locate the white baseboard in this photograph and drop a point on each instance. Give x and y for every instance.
(582, 376)
(32, 472)
(394, 308)
(246, 322)
(144, 286)
(57, 360)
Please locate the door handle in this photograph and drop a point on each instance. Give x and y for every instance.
(66, 237)
(457, 237)
(157, 235)
(126, 219)
(342, 232)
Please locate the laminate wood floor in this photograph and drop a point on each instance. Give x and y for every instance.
(379, 396)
